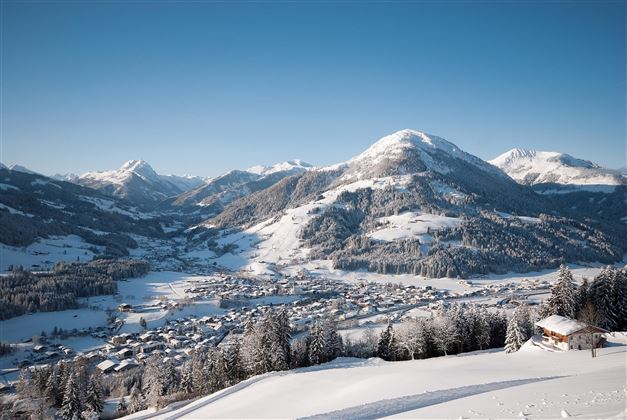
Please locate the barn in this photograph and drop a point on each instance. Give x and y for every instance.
(569, 334)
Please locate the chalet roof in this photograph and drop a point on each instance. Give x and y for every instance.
(561, 324)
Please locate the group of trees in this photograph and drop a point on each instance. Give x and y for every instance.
(606, 294)
(265, 345)
(73, 388)
(23, 291)
(456, 329)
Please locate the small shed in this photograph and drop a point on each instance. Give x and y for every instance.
(569, 334)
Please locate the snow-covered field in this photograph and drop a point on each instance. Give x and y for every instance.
(411, 225)
(45, 252)
(148, 290)
(532, 383)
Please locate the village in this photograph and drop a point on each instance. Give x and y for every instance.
(306, 299)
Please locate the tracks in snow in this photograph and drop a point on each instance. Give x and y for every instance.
(389, 407)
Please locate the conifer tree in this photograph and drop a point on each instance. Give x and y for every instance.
(94, 395)
(71, 407)
(385, 347)
(514, 338)
(138, 402)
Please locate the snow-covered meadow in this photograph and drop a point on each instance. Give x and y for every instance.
(533, 383)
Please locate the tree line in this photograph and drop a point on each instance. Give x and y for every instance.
(23, 291)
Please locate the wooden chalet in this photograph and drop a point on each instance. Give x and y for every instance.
(569, 334)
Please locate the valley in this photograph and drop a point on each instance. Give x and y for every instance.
(409, 229)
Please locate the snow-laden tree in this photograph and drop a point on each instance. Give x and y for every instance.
(154, 381)
(94, 394)
(71, 407)
(187, 383)
(445, 334)
(317, 345)
(410, 337)
(53, 390)
(515, 336)
(386, 348)
(563, 300)
(137, 401)
(233, 363)
(602, 296)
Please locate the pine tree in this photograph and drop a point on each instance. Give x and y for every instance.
(620, 298)
(94, 395)
(187, 383)
(316, 345)
(233, 363)
(583, 294)
(385, 347)
(562, 300)
(601, 296)
(138, 402)
(52, 392)
(71, 407)
(514, 338)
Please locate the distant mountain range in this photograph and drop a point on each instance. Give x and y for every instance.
(411, 203)
(534, 167)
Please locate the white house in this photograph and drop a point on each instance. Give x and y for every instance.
(569, 334)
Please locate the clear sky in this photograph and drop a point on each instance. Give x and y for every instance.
(204, 87)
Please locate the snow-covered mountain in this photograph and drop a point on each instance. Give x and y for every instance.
(20, 168)
(33, 206)
(411, 203)
(293, 166)
(409, 151)
(222, 190)
(69, 177)
(534, 167)
(137, 181)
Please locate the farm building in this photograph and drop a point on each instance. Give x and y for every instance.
(569, 334)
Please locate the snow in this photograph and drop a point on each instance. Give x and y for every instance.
(5, 187)
(26, 326)
(411, 225)
(45, 252)
(295, 165)
(394, 147)
(278, 241)
(15, 211)
(490, 384)
(537, 167)
(150, 290)
(561, 325)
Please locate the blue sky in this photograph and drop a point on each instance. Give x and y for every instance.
(202, 88)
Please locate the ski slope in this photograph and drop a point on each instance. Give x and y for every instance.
(532, 383)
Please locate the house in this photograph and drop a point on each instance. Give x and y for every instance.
(569, 334)
(126, 365)
(107, 366)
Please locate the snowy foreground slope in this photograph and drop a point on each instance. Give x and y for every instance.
(532, 383)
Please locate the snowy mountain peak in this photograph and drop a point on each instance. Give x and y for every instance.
(20, 168)
(410, 151)
(295, 165)
(140, 167)
(542, 167)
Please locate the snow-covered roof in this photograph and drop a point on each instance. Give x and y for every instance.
(561, 324)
